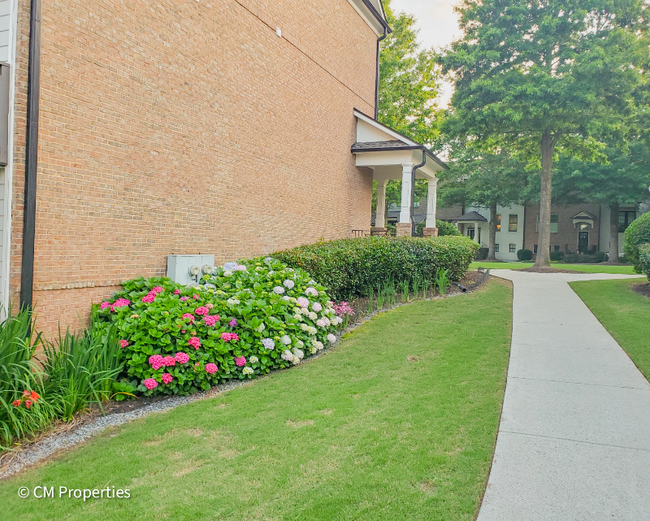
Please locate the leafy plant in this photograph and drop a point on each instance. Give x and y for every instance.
(425, 288)
(442, 281)
(404, 287)
(524, 254)
(636, 234)
(644, 259)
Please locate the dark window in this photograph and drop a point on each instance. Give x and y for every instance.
(556, 247)
(554, 221)
(496, 248)
(535, 249)
(624, 220)
(512, 248)
(498, 223)
(512, 223)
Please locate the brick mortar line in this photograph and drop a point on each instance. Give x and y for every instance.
(305, 54)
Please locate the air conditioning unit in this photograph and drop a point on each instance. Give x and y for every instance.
(188, 269)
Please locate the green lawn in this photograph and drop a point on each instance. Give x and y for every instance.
(585, 268)
(624, 313)
(397, 422)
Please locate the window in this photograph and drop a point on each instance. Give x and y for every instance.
(498, 223)
(554, 221)
(512, 223)
(512, 248)
(535, 249)
(556, 247)
(496, 248)
(624, 220)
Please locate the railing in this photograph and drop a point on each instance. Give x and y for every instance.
(359, 234)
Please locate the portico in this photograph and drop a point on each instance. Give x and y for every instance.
(392, 156)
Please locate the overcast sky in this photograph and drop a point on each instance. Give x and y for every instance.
(438, 25)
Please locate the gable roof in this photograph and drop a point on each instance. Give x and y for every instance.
(470, 217)
(386, 139)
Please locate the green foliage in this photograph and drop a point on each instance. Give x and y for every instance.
(644, 259)
(524, 254)
(584, 258)
(242, 321)
(348, 267)
(637, 233)
(446, 228)
(408, 82)
(557, 255)
(81, 369)
(442, 281)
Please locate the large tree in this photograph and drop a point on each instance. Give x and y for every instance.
(484, 178)
(551, 76)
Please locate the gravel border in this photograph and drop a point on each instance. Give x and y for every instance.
(55, 442)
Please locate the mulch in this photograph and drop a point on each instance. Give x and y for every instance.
(642, 289)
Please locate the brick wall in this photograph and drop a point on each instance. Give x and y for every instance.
(567, 234)
(189, 127)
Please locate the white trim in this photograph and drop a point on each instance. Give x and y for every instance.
(384, 128)
(367, 16)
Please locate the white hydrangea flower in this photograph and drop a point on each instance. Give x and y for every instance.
(229, 266)
(321, 322)
(286, 340)
(312, 315)
(290, 270)
(295, 360)
(279, 290)
(316, 307)
(319, 345)
(233, 301)
(311, 292)
(260, 328)
(331, 338)
(268, 343)
(287, 355)
(298, 352)
(227, 273)
(300, 344)
(304, 311)
(304, 327)
(253, 359)
(312, 282)
(312, 350)
(297, 316)
(241, 267)
(247, 370)
(311, 330)
(286, 298)
(289, 284)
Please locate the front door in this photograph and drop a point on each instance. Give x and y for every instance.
(583, 242)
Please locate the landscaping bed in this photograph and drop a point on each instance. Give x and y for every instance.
(398, 421)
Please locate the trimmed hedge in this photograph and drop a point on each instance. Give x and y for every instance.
(584, 258)
(351, 267)
(557, 255)
(525, 255)
(637, 233)
(644, 259)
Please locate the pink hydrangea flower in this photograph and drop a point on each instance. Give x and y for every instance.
(156, 361)
(209, 305)
(211, 320)
(188, 316)
(195, 297)
(105, 305)
(182, 358)
(167, 378)
(158, 289)
(233, 323)
(183, 299)
(201, 311)
(302, 302)
(211, 368)
(195, 342)
(177, 292)
(240, 361)
(149, 297)
(150, 383)
(226, 337)
(120, 303)
(169, 361)
(123, 343)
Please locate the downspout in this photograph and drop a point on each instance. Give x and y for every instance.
(31, 155)
(379, 40)
(413, 172)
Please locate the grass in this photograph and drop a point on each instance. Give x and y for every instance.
(623, 312)
(585, 268)
(398, 421)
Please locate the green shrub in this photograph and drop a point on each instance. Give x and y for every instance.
(349, 267)
(637, 233)
(557, 255)
(584, 258)
(242, 321)
(444, 229)
(644, 259)
(482, 254)
(525, 255)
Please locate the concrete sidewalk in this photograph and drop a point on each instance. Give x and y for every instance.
(574, 438)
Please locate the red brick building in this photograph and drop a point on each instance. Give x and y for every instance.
(220, 127)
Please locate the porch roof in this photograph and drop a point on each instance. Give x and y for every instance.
(471, 217)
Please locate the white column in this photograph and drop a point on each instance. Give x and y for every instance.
(380, 216)
(405, 208)
(476, 225)
(432, 200)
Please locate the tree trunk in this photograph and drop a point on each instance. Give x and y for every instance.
(613, 233)
(492, 232)
(544, 234)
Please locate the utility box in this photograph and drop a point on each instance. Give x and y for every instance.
(188, 269)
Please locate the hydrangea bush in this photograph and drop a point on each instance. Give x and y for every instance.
(243, 320)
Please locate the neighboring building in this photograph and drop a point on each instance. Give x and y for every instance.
(223, 127)
(582, 228)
